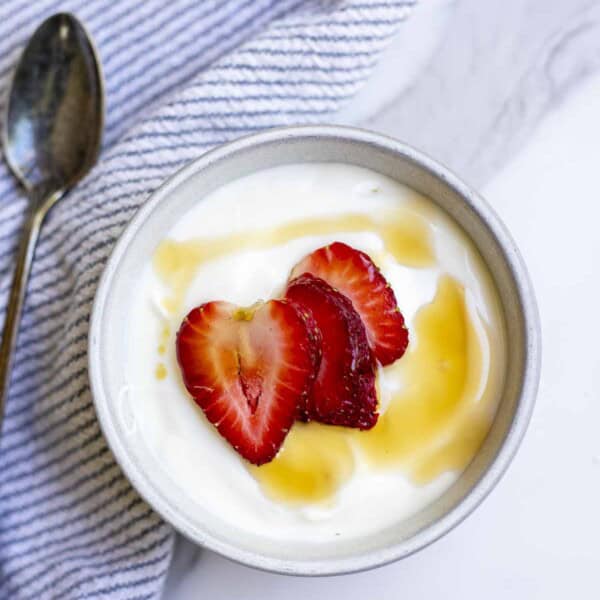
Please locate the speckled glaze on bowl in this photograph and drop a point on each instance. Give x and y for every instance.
(308, 144)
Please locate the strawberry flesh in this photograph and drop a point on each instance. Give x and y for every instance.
(315, 340)
(250, 370)
(354, 274)
(344, 390)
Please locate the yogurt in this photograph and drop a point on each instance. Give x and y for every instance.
(437, 403)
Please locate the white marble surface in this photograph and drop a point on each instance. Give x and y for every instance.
(508, 94)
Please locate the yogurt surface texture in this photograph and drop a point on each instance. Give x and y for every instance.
(239, 244)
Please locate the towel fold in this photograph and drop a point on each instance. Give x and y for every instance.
(181, 77)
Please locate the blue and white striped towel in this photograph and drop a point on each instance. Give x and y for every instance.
(200, 73)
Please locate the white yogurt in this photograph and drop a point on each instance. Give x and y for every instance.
(199, 462)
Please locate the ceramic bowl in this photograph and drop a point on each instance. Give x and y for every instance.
(293, 145)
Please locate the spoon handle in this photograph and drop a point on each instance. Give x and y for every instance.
(29, 236)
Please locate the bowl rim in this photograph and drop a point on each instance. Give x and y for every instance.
(522, 415)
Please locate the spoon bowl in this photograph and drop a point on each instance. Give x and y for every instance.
(55, 110)
(51, 137)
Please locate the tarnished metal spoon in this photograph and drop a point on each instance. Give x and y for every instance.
(51, 138)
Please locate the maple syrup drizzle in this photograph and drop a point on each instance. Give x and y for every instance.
(160, 372)
(314, 462)
(435, 423)
(406, 235)
(440, 416)
(165, 332)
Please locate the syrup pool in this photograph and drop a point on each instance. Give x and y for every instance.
(435, 423)
(437, 403)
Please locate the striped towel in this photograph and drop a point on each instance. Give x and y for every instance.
(181, 77)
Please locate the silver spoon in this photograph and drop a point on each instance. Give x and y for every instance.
(51, 138)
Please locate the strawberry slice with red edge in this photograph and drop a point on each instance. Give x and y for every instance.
(249, 369)
(344, 390)
(316, 353)
(354, 274)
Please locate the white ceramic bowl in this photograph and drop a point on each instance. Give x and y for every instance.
(292, 145)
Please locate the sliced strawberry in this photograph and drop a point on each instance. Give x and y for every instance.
(249, 370)
(316, 352)
(344, 390)
(354, 274)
